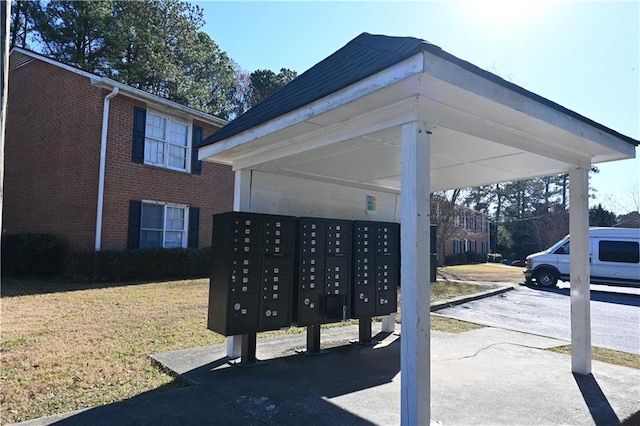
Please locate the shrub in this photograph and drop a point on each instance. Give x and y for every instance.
(455, 259)
(33, 254)
(140, 265)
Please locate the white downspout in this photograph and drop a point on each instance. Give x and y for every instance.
(103, 166)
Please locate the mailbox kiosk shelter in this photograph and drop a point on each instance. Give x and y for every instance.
(379, 125)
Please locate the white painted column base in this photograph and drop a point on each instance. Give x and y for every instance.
(234, 347)
(415, 356)
(389, 323)
(580, 270)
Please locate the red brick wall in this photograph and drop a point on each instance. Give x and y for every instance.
(51, 153)
(211, 191)
(52, 158)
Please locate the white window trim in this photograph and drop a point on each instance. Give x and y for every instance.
(185, 234)
(169, 118)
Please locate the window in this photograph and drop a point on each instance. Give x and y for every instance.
(166, 142)
(484, 224)
(471, 223)
(456, 247)
(619, 251)
(563, 249)
(163, 225)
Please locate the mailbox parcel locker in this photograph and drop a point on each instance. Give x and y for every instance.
(252, 273)
(323, 277)
(376, 275)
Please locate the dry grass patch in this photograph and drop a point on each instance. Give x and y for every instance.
(452, 325)
(492, 272)
(609, 356)
(448, 290)
(81, 348)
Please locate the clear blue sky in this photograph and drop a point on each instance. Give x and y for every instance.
(583, 55)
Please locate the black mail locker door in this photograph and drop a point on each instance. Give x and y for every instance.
(312, 237)
(387, 273)
(310, 308)
(338, 274)
(281, 267)
(386, 302)
(364, 238)
(279, 236)
(338, 238)
(242, 314)
(246, 234)
(311, 273)
(276, 288)
(245, 266)
(364, 271)
(388, 239)
(274, 315)
(364, 302)
(244, 284)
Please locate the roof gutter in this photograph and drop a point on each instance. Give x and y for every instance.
(103, 165)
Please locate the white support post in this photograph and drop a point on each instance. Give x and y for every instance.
(415, 353)
(241, 203)
(580, 270)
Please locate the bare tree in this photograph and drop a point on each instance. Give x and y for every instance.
(444, 209)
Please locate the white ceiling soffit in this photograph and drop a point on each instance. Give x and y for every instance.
(482, 132)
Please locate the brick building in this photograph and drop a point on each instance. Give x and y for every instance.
(471, 233)
(103, 165)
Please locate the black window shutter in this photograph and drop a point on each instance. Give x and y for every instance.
(139, 125)
(135, 214)
(196, 166)
(194, 225)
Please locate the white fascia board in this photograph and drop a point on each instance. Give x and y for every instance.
(456, 75)
(384, 78)
(141, 95)
(18, 50)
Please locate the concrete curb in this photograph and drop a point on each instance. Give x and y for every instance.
(464, 299)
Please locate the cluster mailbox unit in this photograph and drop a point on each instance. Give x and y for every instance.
(272, 271)
(377, 267)
(252, 273)
(321, 294)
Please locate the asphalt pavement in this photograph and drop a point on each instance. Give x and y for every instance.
(615, 314)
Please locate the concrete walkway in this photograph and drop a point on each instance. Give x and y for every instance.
(488, 376)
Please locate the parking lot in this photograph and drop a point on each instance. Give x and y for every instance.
(615, 314)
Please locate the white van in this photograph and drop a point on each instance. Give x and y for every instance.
(614, 254)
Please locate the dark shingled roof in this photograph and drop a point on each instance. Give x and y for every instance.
(363, 56)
